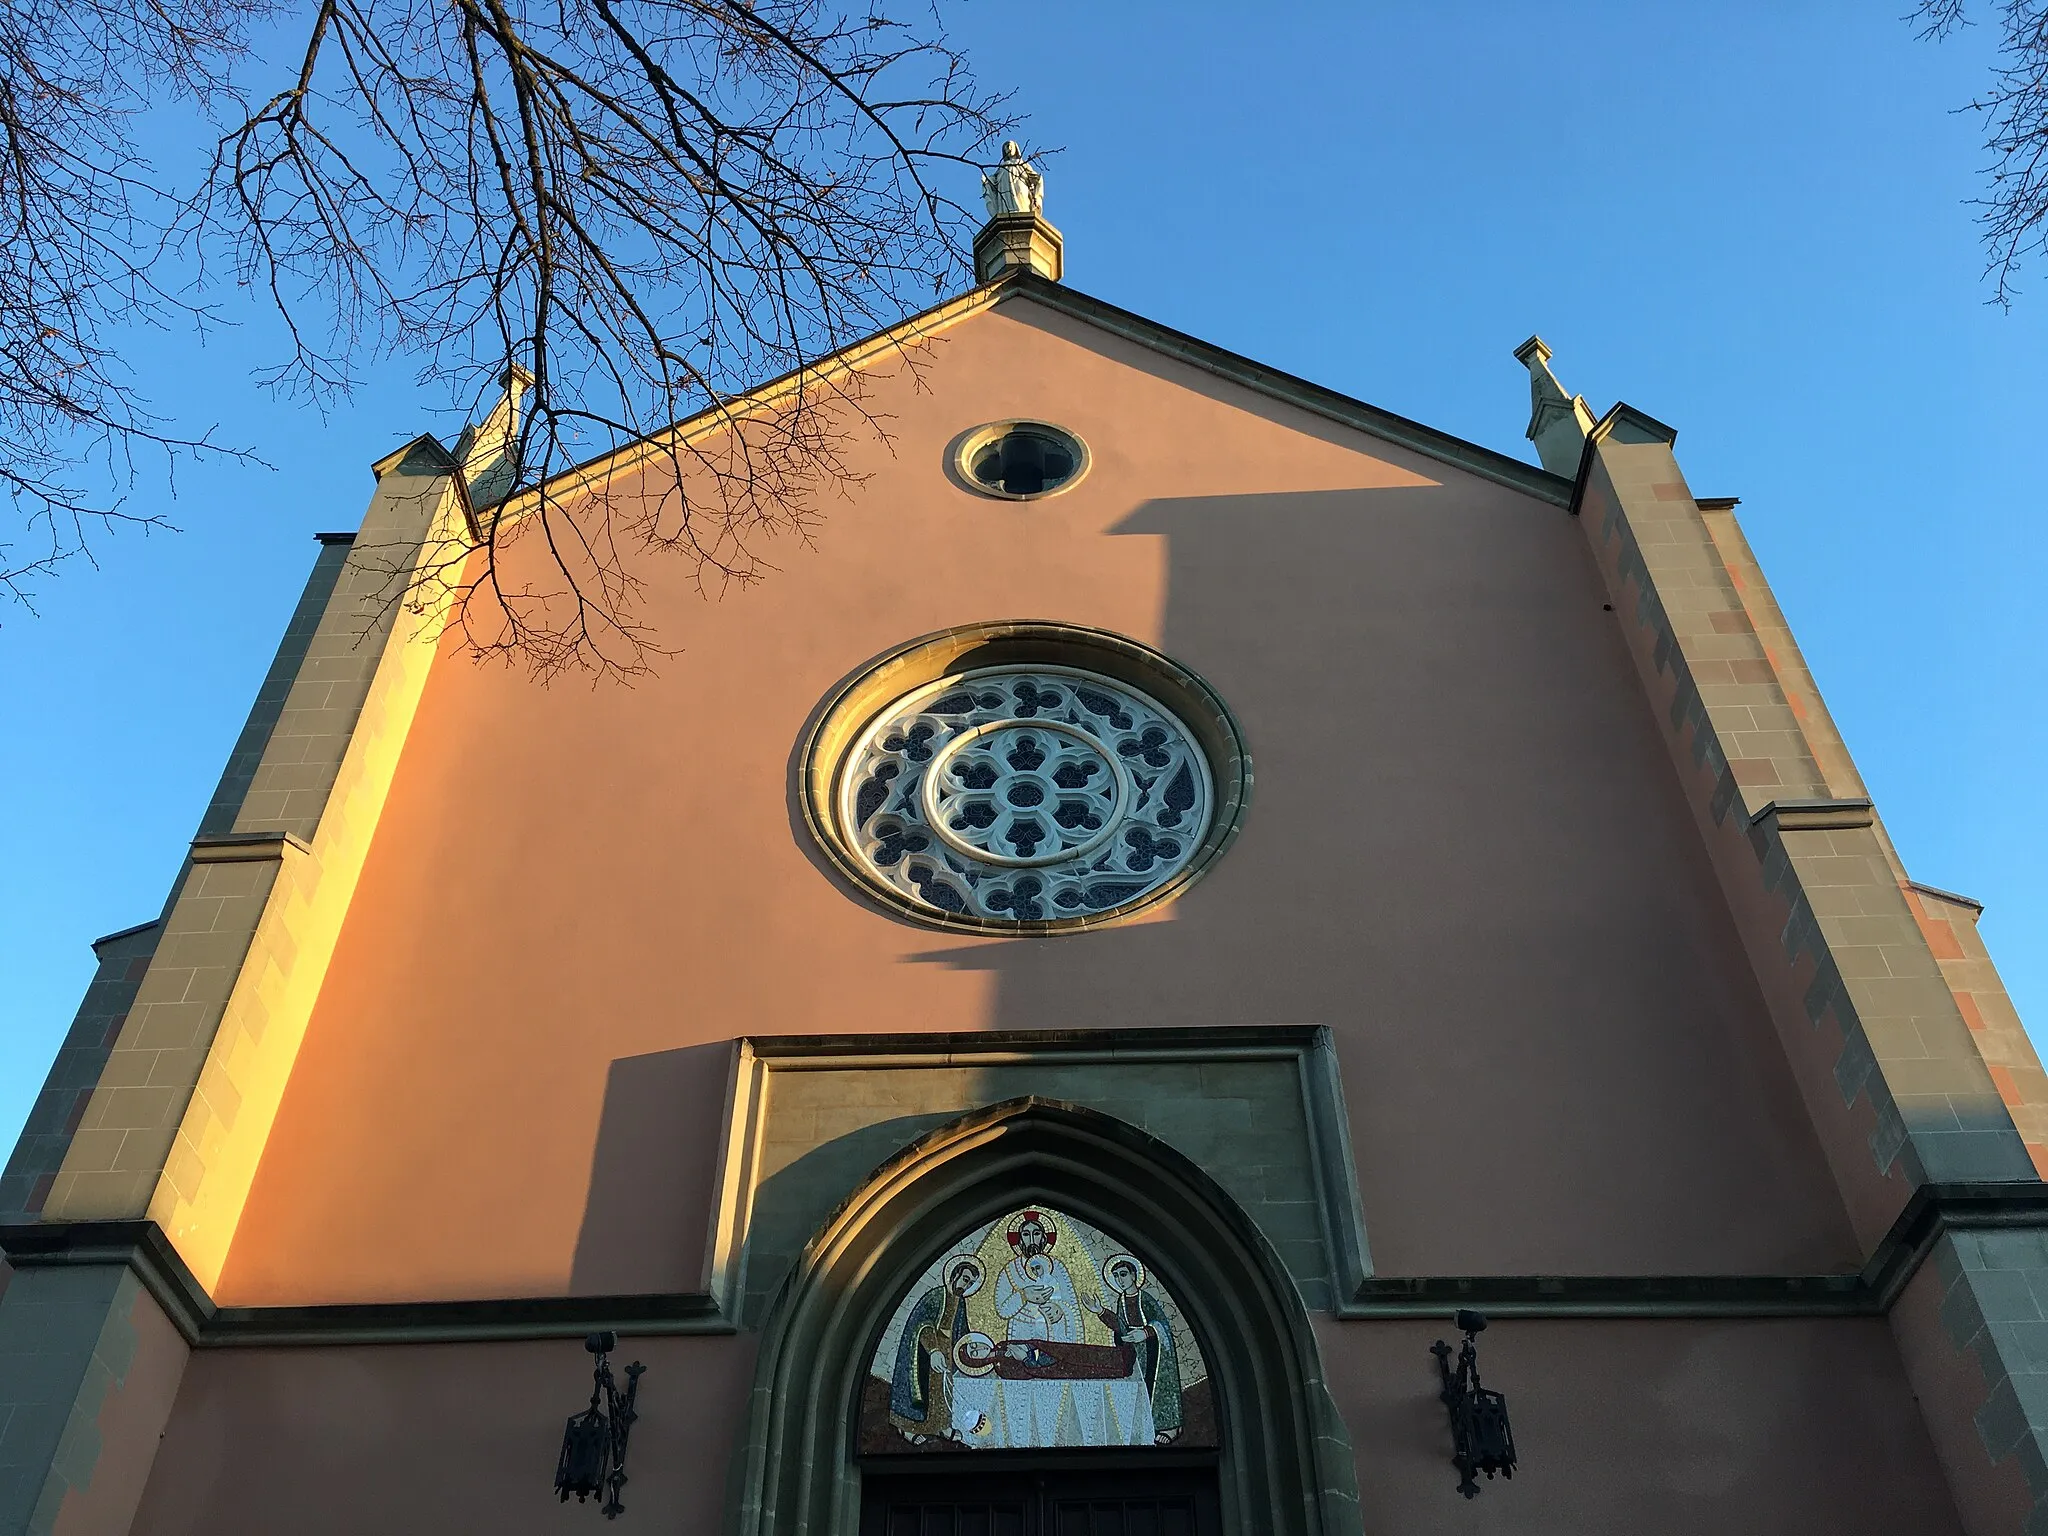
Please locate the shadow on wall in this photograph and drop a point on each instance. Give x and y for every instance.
(1467, 852)
(793, 1201)
(643, 1228)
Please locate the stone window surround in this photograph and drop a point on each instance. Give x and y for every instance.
(1022, 643)
(1021, 794)
(961, 451)
(1129, 1070)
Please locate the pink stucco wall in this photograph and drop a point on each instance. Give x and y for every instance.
(1684, 1429)
(455, 1438)
(1678, 1428)
(1467, 853)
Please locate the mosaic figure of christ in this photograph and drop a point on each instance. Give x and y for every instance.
(1037, 1331)
(1035, 1293)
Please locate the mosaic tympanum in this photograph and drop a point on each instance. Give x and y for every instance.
(1036, 1330)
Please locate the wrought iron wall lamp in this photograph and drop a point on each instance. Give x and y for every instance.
(1480, 1438)
(594, 1444)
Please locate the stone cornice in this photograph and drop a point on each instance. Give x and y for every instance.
(1625, 424)
(1923, 888)
(244, 847)
(1842, 815)
(141, 1246)
(1870, 1292)
(795, 1053)
(100, 944)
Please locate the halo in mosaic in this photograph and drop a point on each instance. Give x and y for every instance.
(1036, 1331)
(1025, 795)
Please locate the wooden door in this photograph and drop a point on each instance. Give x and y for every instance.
(1051, 1501)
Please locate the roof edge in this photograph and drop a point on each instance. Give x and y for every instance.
(1317, 399)
(1320, 400)
(846, 359)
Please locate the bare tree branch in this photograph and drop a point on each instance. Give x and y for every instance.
(649, 206)
(81, 222)
(2015, 109)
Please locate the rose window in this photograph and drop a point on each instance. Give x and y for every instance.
(1025, 795)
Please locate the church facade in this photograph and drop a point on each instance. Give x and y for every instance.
(1044, 1013)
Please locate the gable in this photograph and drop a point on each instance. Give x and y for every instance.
(1439, 716)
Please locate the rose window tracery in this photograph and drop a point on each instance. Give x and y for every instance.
(1025, 795)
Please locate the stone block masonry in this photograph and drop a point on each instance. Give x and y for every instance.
(1948, 922)
(86, 1358)
(124, 957)
(54, 1118)
(162, 1099)
(186, 1099)
(813, 1117)
(1870, 992)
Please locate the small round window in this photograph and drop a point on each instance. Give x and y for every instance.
(1021, 459)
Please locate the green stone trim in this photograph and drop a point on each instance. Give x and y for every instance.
(1287, 1466)
(1289, 1164)
(1613, 1296)
(140, 1246)
(1934, 1210)
(1844, 815)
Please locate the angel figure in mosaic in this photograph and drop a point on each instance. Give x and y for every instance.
(921, 1391)
(1135, 1317)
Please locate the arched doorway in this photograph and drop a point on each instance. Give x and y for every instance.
(1281, 1460)
(1054, 1498)
(1038, 1378)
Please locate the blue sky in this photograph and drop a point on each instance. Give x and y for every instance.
(1747, 220)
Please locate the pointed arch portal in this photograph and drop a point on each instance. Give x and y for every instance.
(1285, 1462)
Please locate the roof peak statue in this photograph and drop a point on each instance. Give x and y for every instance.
(1016, 234)
(1013, 186)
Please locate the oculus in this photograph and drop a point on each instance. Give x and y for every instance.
(1020, 460)
(1033, 1331)
(1034, 791)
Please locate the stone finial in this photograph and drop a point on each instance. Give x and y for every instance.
(1016, 235)
(1558, 423)
(488, 451)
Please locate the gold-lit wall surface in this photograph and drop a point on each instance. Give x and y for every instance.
(1463, 854)
(507, 1067)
